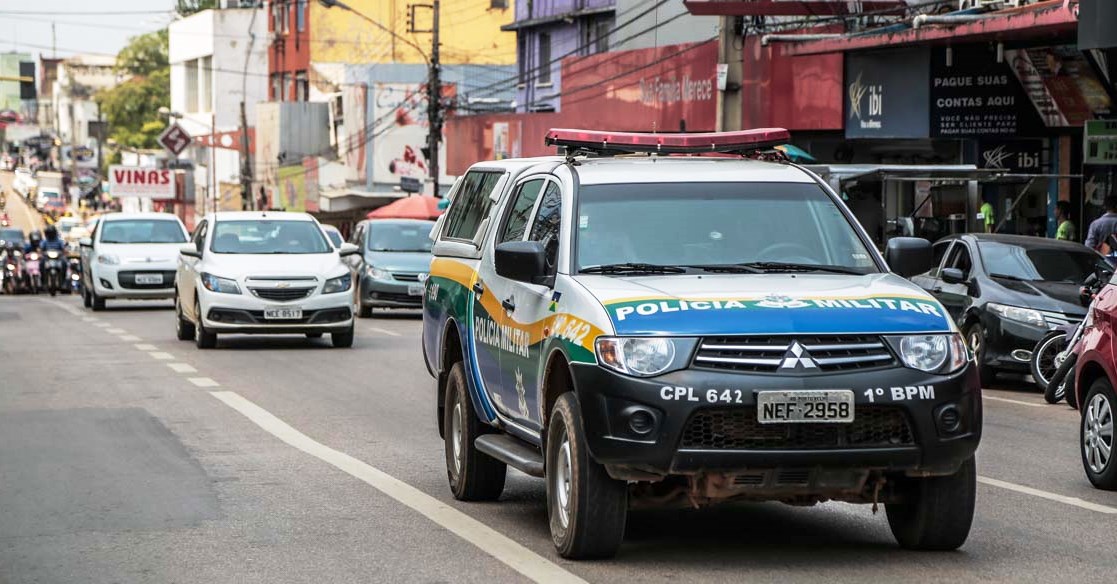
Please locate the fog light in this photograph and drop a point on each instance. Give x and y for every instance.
(641, 422)
(949, 419)
(105, 284)
(1022, 355)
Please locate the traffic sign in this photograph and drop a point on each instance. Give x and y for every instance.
(174, 139)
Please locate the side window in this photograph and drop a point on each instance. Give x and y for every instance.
(939, 251)
(471, 205)
(960, 258)
(523, 201)
(546, 226)
(200, 235)
(358, 237)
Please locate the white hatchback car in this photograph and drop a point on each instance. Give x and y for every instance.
(131, 256)
(263, 273)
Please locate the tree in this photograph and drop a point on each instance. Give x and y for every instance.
(188, 7)
(132, 107)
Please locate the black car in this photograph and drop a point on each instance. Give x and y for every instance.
(1006, 291)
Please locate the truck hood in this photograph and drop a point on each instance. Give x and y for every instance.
(774, 304)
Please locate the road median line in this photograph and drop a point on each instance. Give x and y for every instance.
(1073, 501)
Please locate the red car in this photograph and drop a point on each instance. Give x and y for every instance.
(1095, 378)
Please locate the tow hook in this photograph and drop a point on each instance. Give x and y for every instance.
(876, 493)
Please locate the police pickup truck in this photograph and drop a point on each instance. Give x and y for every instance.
(640, 325)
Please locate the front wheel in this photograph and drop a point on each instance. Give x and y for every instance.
(587, 507)
(203, 339)
(1045, 357)
(184, 329)
(975, 338)
(1096, 435)
(935, 513)
(96, 302)
(342, 340)
(1060, 380)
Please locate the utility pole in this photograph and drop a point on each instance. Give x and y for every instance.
(247, 198)
(434, 102)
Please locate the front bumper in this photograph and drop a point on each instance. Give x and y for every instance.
(678, 402)
(1003, 336)
(390, 293)
(244, 313)
(119, 281)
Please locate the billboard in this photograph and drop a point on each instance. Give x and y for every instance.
(1060, 84)
(141, 182)
(400, 133)
(974, 96)
(886, 94)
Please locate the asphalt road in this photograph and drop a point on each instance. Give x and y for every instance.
(21, 214)
(128, 456)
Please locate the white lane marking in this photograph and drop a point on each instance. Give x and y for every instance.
(90, 319)
(143, 347)
(519, 558)
(116, 331)
(102, 324)
(182, 368)
(1013, 401)
(384, 331)
(129, 338)
(1074, 501)
(203, 382)
(161, 356)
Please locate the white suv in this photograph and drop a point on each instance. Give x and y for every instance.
(131, 256)
(263, 273)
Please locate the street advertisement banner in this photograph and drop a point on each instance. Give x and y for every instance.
(141, 182)
(229, 197)
(400, 133)
(974, 96)
(886, 94)
(1017, 156)
(298, 187)
(1060, 84)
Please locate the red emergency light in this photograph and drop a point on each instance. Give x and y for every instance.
(693, 143)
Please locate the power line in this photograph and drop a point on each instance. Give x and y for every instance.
(97, 13)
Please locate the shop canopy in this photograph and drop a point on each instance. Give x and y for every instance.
(417, 207)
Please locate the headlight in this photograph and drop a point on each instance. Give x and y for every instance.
(945, 353)
(220, 285)
(636, 356)
(378, 274)
(339, 284)
(1024, 315)
(108, 259)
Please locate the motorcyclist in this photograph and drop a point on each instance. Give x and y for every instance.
(51, 240)
(33, 241)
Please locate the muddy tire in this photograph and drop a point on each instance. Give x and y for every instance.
(937, 512)
(473, 475)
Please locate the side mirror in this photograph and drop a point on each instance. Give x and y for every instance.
(347, 249)
(190, 250)
(908, 256)
(953, 276)
(523, 261)
(86, 242)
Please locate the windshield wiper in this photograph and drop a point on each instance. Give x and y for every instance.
(1008, 277)
(729, 268)
(793, 267)
(633, 268)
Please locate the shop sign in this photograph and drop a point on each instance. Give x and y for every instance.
(886, 94)
(1100, 145)
(1017, 156)
(141, 182)
(974, 96)
(1060, 84)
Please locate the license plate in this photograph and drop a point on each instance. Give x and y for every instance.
(415, 289)
(149, 278)
(804, 406)
(283, 313)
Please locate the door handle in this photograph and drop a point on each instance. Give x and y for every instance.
(509, 304)
(478, 288)
(936, 289)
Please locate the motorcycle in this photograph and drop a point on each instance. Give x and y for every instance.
(13, 272)
(33, 275)
(1055, 355)
(55, 268)
(74, 284)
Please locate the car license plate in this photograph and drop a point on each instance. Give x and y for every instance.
(804, 406)
(283, 313)
(149, 278)
(415, 289)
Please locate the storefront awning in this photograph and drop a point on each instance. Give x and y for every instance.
(1053, 19)
(555, 18)
(785, 7)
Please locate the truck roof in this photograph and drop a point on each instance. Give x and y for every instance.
(667, 169)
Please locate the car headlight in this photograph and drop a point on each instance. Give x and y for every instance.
(220, 285)
(642, 356)
(338, 284)
(1018, 314)
(378, 274)
(943, 353)
(108, 259)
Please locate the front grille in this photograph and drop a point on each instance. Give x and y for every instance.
(398, 298)
(127, 279)
(405, 277)
(235, 316)
(821, 354)
(738, 429)
(282, 294)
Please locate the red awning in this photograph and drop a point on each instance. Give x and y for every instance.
(1054, 18)
(786, 7)
(417, 207)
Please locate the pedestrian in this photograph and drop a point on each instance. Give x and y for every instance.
(1065, 230)
(987, 216)
(1101, 228)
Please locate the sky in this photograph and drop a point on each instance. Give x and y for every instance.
(81, 26)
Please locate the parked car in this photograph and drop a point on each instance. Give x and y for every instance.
(393, 263)
(262, 273)
(334, 234)
(131, 256)
(1095, 379)
(14, 235)
(24, 183)
(1006, 291)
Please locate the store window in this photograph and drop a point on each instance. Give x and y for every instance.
(544, 58)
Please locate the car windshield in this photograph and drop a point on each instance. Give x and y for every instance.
(142, 231)
(256, 236)
(716, 224)
(1037, 263)
(11, 235)
(412, 236)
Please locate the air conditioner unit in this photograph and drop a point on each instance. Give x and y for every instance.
(991, 4)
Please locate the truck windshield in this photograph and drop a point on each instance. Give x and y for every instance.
(715, 224)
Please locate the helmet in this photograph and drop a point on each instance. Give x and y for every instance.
(51, 232)
(35, 237)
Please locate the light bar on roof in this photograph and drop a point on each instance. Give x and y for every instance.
(694, 143)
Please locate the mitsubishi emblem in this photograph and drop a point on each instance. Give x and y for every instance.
(797, 357)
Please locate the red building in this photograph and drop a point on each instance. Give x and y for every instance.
(288, 50)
